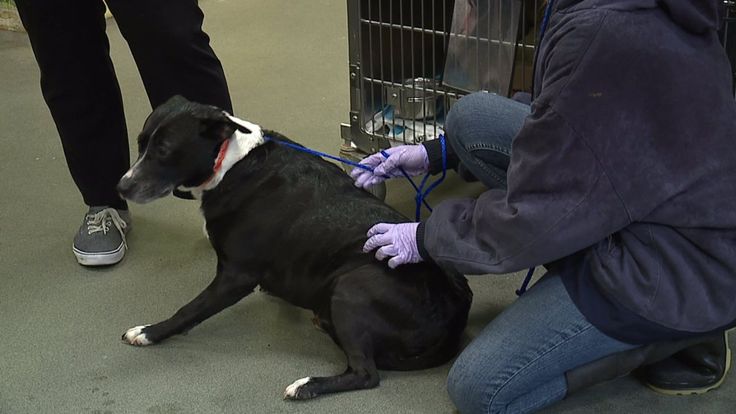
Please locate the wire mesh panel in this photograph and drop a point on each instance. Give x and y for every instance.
(403, 57)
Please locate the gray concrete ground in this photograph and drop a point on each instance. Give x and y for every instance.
(60, 350)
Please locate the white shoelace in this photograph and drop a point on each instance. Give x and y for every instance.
(103, 220)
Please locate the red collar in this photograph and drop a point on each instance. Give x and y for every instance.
(221, 156)
(218, 161)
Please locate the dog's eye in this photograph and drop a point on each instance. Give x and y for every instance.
(162, 151)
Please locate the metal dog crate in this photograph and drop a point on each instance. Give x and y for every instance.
(404, 57)
(410, 60)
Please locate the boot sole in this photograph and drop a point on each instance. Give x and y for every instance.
(698, 391)
(101, 258)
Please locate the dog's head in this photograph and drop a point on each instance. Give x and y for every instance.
(178, 146)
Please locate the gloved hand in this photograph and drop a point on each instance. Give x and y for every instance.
(412, 158)
(398, 241)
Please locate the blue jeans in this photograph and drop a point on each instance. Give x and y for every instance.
(517, 364)
(480, 127)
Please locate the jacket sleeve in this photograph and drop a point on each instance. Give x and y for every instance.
(559, 200)
(434, 156)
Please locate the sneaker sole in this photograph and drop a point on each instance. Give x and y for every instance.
(101, 258)
(698, 391)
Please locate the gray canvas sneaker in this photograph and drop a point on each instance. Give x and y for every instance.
(101, 238)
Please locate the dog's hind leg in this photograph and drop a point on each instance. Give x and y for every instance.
(356, 340)
(226, 289)
(360, 374)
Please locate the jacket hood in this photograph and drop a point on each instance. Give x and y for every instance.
(696, 16)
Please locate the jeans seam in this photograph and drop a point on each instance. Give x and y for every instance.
(496, 148)
(483, 146)
(508, 380)
(467, 149)
(497, 177)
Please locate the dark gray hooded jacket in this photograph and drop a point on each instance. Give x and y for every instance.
(628, 157)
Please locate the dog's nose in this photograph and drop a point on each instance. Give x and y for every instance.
(125, 185)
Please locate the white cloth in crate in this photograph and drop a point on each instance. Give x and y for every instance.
(402, 131)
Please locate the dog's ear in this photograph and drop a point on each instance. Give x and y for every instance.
(213, 123)
(216, 129)
(216, 124)
(240, 127)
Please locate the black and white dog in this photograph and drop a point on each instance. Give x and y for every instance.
(295, 225)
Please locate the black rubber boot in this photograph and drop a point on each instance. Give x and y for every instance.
(694, 370)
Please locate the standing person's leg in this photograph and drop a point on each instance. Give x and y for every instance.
(481, 127)
(172, 52)
(81, 90)
(517, 364)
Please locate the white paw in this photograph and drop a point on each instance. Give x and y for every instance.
(134, 336)
(292, 389)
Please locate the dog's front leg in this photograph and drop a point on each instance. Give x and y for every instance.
(228, 287)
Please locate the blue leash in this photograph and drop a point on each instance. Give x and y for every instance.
(545, 20)
(520, 291)
(317, 153)
(421, 192)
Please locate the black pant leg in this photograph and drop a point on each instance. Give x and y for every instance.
(172, 52)
(81, 90)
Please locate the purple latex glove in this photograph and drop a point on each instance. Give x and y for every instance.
(412, 158)
(398, 241)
